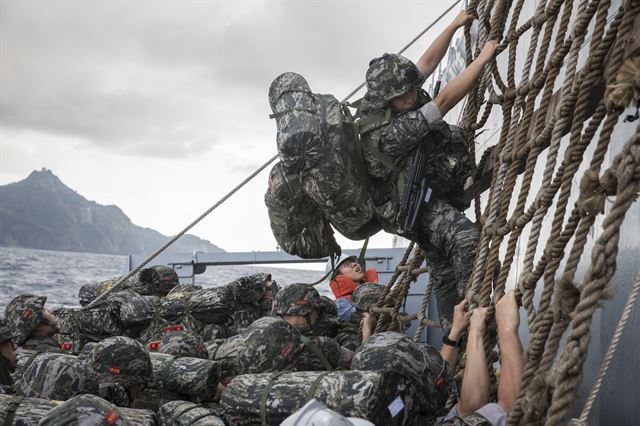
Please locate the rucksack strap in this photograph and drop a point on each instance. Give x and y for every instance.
(312, 390)
(281, 113)
(11, 410)
(286, 111)
(372, 122)
(363, 251)
(265, 395)
(385, 159)
(317, 352)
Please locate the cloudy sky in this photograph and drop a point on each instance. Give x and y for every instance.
(160, 107)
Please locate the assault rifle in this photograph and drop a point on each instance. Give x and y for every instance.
(416, 189)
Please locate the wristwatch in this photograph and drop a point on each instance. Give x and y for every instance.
(449, 342)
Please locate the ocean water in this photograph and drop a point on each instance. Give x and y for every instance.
(59, 274)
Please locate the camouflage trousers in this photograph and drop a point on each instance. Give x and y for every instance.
(449, 241)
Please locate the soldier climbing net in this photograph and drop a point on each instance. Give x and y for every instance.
(587, 107)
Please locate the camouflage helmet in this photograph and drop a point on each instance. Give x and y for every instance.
(418, 362)
(24, 312)
(389, 76)
(366, 295)
(297, 299)
(180, 344)
(7, 333)
(121, 360)
(158, 279)
(286, 82)
(57, 376)
(269, 344)
(84, 410)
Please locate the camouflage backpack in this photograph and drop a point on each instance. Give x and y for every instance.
(85, 409)
(317, 141)
(297, 225)
(421, 364)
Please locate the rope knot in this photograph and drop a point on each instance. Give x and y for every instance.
(627, 85)
(594, 191)
(489, 229)
(553, 252)
(567, 298)
(539, 19)
(524, 89)
(539, 394)
(509, 94)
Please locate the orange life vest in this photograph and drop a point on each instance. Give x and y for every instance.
(342, 286)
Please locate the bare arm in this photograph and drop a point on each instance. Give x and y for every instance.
(460, 323)
(460, 86)
(368, 325)
(475, 383)
(510, 350)
(430, 59)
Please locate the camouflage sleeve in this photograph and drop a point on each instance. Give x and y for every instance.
(474, 419)
(402, 135)
(115, 394)
(491, 414)
(375, 167)
(344, 358)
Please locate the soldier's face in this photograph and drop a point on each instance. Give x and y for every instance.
(353, 270)
(8, 349)
(405, 102)
(49, 326)
(268, 291)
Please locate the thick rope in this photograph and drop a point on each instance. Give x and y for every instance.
(423, 313)
(522, 140)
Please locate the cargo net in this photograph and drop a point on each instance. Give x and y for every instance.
(587, 107)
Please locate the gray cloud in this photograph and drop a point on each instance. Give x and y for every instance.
(176, 78)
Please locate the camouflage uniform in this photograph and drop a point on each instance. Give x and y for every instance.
(7, 336)
(319, 351)
(448, 239)
(84, 410)
(488, 414)
(303, 299)
(57, 376)
(26, 411)
(422, 364)
(322, 353)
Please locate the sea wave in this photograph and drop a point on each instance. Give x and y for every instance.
(59, 275)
